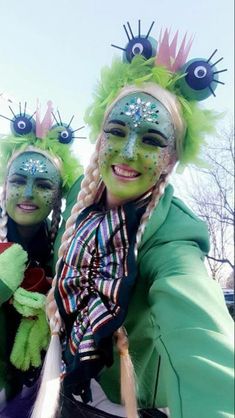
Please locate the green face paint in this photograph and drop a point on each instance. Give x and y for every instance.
(32, 188)
(138, 144)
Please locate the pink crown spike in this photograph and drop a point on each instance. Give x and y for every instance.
(173, 45)
(167, 55)
(43, 127)
(163, 55)
(182, 55)
(38, 124)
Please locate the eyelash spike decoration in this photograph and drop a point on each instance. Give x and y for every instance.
(198, 78)
(21, 123)
(143, 45)
(201, 78)
(65, 132)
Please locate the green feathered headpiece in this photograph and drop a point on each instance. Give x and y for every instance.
(189, 83)
(53, 141)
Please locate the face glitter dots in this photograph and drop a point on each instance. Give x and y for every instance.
(140, 110)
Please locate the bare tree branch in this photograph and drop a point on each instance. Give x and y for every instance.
(212, 196)
(221, 260)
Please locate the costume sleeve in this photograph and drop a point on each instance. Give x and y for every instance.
(193, 332)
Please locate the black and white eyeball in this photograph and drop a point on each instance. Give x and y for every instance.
(200, 80)
(140, 46)
(23, 124)
(143, 45)
(64, 133)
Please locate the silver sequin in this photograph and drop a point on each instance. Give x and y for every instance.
(140, 110)
(33, 166)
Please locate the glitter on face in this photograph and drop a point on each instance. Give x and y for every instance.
(137, 147)
(140, 110)
(32, 188)
(33, 166)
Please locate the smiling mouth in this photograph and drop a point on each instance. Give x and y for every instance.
(26, 207)
(125, 171)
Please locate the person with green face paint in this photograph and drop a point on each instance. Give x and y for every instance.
(136, 149)
(32, 189)
(132, 301)
(37, 169)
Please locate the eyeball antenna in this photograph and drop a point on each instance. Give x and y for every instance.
(21, 123)
(138, 44)
(201, 78)
(66, 133)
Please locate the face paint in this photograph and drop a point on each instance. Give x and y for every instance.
(138, 144)
(32, 188)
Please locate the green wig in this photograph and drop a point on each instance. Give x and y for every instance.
(139, 71)
(47, 141)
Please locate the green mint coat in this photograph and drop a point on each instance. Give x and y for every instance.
(180, 332)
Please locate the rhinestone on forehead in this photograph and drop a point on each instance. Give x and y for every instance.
(140, 110)
(33, 166)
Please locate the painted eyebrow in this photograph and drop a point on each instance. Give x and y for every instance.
(119, 122)
(43, 179)
(18, 174)
(37, 178)
(155, 131)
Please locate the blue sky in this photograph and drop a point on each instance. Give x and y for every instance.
(54, 49)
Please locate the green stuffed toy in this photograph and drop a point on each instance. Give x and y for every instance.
(13, 261)
(33, 333)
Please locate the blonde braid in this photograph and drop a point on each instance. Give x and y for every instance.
(127, 372)
(85, 198)
(56, 215)
(3, 218)
(47, 402)
(158, 191)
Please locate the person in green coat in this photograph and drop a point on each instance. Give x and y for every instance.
(32, 172)
(132, 301)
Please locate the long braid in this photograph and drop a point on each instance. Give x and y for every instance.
(158, 191)
(85, 198)
(55, 221)
(127, 372)
(48, 396)
(3, 218)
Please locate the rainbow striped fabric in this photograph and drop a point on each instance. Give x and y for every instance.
(95, 281)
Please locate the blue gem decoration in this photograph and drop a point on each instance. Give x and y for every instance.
(34, 166)
(140, 110)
